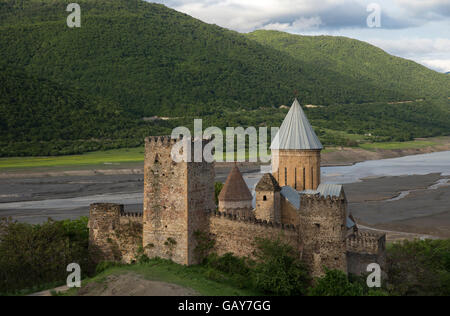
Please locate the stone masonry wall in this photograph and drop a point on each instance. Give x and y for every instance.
(201, 193)
(176, 196)
(323, 232)
(268, 206)
(302, 168)
(113, 234)
(238, 235)
(364, 248)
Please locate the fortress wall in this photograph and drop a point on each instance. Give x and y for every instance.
(200, 188)
(322, 223)
(289, 214)
(113, 234)
(364, 248)
(238, 235)
(176, 197)
(165, 202)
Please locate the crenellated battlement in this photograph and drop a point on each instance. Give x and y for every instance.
(322, 200)
(366, 242)
(169, 141)
(252, 220)
(132, 215)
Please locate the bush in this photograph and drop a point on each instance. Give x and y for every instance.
(218, 186)
(278, 269)
(33, 255)
(335, 283)
(419, 268)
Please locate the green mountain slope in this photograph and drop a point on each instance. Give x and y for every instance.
(75, 90)
(43, 117)
(359, 61)
(156, 61)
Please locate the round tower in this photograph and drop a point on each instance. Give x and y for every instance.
(296, 152)
(235, 197)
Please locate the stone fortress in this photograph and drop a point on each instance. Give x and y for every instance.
(290, 203)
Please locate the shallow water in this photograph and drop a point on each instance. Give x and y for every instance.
(409, 165)
(438, 162)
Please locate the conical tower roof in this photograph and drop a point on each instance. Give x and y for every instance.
(268, 183)
(235, 188)
(296, 132)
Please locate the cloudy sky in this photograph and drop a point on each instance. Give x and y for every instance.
(413, 29)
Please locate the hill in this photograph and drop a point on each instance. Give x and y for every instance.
(44, 117)
(359, 61)
(83, 89)
(153, 60)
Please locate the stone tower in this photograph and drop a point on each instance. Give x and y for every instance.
(296, 152)
(235, 197)
(268, 199)
(176, 199)
(322, 225)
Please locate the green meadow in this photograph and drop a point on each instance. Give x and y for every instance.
(107, 157)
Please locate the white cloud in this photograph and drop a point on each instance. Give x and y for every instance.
(442, 65)
(414, 46)
(248, 15)
(302, 24)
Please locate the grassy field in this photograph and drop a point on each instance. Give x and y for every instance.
(193, 277)
(398, 145)
(109, 157)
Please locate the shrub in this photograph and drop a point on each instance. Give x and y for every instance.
(218, 186)
(419, 268)
(335, 283)
(278, 269)
(33, 255)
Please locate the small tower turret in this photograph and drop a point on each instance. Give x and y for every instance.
(268, 200)
(235, 197)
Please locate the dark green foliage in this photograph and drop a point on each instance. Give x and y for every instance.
(278, 269)
(33, 255)
(229, 264)
(132, 59)
(419, 268)
(218, 186)
(335, 283)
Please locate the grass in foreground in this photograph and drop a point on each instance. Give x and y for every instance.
(193, 277)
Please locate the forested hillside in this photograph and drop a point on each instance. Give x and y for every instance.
(43, 117)
(73, 90)
(153, 60)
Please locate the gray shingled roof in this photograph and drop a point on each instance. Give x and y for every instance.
(296, 132)
(333, 190)
(291, 195)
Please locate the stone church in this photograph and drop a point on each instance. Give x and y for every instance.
(290, 204)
